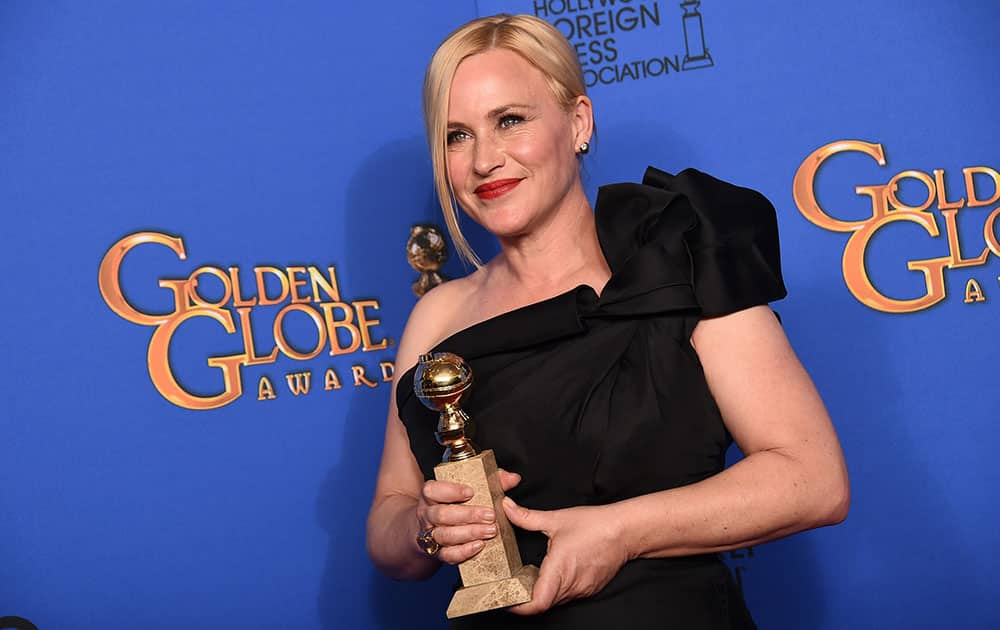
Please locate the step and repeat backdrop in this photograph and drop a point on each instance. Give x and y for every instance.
(207, 209)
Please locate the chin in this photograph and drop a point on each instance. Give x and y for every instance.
(501, 222)
(507, 229)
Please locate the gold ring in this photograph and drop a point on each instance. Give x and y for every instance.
(425, 540)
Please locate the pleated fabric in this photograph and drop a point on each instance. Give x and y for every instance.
(594, 399)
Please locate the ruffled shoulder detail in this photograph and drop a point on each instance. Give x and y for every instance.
(688, 241)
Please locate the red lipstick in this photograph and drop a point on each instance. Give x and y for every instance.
(492, 190)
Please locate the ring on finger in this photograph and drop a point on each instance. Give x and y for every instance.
(426, 542)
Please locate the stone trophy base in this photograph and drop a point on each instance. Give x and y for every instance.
(494, 577)
(500, 594)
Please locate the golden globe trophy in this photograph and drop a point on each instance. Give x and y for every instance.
(494, 577)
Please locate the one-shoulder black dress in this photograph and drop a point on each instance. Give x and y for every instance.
(594, 399)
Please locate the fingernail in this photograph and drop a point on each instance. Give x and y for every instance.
(477, 545)
(488, 515)
(509, 502)
(467, 492)
(491, 531)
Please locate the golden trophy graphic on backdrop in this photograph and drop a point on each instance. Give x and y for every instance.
(495, 577)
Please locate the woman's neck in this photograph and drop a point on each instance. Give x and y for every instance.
(556, 256)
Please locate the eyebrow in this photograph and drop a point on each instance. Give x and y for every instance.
(494, 113)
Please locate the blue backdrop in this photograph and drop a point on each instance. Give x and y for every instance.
(280, 141)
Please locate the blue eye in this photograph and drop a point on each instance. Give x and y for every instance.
(456, 136)
(510, 120)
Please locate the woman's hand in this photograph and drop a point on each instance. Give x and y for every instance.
(585, 552)
(460, 529)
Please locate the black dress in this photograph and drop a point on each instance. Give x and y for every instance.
(598, 399)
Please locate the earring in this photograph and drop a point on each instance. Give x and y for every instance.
(584, 148)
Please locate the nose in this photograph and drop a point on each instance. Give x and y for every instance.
(489, 154)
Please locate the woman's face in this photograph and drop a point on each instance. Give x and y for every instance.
(511, 154)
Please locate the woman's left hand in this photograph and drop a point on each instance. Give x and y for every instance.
(585, 552)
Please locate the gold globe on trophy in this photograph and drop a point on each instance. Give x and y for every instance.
(494, 577)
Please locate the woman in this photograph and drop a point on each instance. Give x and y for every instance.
(616, 355)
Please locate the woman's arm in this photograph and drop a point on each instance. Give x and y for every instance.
(392, 519)
(404, 503)
(792, 478)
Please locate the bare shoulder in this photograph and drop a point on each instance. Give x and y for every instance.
(435, 317)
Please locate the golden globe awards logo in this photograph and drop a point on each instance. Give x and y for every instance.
(947, 193)
(342, 328)
(604, 34)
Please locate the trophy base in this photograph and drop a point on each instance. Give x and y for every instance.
(693, 63)
(492, 595)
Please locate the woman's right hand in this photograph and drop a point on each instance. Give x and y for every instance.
(459, 528)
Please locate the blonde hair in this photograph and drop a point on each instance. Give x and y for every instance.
(537, 42)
